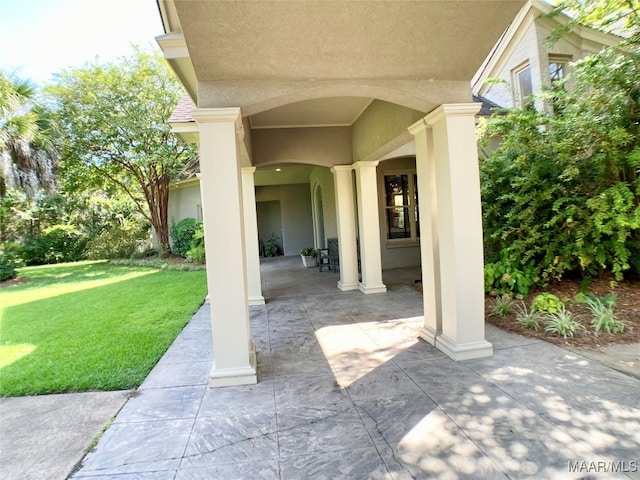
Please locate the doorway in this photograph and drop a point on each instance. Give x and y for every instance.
(269, 218)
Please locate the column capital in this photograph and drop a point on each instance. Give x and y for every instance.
(220, 115)
(452, 110)
(364, 164)
(341, 168)
(418, 127)
(248, 170)
(212, 115)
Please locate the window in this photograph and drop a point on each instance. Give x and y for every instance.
(557, 68)
(401, 206)
(556, 72)
(524, 85)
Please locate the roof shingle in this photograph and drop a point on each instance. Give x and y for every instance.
(183, 112)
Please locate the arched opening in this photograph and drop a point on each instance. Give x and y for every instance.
(318, 218)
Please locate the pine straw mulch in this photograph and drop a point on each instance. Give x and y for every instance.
(627, 310)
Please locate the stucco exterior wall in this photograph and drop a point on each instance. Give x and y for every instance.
(395, 254)
(379, 127)
(318, 146)
(295, 207)
(323, 178)
(529, 44)
(184, 202)
(524, 49)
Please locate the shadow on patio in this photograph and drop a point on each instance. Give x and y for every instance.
(347, 391)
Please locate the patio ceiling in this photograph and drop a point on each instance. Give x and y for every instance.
(334, 111)
(237, 49)
(440, 40)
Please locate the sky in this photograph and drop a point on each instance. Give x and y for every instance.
(42, 37)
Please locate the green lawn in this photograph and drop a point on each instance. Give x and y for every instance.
(90, 326)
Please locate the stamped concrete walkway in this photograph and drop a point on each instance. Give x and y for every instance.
(346, 391)
(43, 437)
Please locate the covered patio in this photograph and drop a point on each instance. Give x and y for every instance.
(347, 390)
(360, 89)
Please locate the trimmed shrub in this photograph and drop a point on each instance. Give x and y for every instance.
(182, 234)
(196, 252)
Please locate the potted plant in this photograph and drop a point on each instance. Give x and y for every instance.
(309, 257)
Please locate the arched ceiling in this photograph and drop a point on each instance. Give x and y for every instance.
(333, 111)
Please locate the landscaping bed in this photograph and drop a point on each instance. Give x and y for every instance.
(627, 310)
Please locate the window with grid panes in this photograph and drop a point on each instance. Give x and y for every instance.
(401, 206)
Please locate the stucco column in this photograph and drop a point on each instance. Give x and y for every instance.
(345, 214)
(369, 226)
(234, 361)
(459, 228)
(254, 284)
(430, 263)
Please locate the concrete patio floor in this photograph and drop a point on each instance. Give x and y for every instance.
(347, 391)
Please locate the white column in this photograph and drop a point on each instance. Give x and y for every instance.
(425, 168)
(345, 214)
(370, 258)
(459, 227)
(254, 284)
(234, 361)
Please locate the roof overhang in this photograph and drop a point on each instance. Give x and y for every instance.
(185, 131)
(174, 48)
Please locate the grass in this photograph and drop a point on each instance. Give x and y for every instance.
(90, 326)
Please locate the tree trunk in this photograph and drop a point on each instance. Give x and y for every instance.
(158, 207)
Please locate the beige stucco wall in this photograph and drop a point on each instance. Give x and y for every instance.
(382, 128)
(318, 146)
(295, 208)
(184, 202)
(524, 49)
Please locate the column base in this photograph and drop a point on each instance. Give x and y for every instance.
(463, 351)
(207, 299)
(256, 300)
(346, 287)
(367, 289)
(228, 377)
(428, 334)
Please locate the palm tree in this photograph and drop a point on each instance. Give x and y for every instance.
(27, 153)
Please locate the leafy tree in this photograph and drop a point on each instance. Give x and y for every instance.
(620, 17)
(114, 117)
(27, 153)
